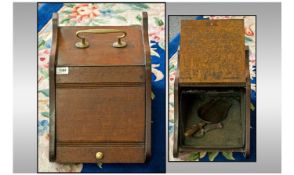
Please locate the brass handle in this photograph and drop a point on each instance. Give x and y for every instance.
(84, 44)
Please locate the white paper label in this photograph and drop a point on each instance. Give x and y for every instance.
(61, 70)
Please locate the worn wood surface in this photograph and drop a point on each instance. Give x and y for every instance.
(212, 52)
(100, 114)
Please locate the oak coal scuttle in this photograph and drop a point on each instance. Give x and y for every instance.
(100, 94)
(212, 88)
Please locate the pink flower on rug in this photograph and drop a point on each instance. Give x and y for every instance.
(252, 57)
(248, 31)
(44, 58)
(84, 12)
(156, 33)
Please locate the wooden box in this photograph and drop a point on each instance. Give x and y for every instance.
(100, 94)
(212, 88)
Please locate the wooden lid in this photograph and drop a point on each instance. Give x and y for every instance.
(212, 52)
(100, 51)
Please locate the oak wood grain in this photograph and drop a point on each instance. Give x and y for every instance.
(212, 52)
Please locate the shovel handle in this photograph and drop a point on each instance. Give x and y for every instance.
(195, 128)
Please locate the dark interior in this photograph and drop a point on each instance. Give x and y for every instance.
(231, 135)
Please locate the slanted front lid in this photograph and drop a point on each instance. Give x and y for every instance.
(100, 51)
(212, 52)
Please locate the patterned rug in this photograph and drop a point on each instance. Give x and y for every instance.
(99, 14)
(250, 37)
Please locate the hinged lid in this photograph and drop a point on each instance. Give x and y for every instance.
(212, 52)
(100, 51)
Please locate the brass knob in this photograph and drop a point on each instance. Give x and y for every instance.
(99, 155)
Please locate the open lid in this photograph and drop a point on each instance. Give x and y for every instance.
(100, 51)
(212, 52)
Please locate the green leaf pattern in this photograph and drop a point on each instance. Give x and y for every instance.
(212, 155)
(194, 156)
(228, 155)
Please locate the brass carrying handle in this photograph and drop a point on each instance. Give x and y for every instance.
(84, 44)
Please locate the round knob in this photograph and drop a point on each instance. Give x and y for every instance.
(99, 155)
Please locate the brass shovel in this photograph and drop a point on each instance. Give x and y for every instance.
(212, 114)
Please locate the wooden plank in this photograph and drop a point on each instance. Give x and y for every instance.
(52, 151)
(147, 86)
(101, 114)
(212, 52)
(112, 74)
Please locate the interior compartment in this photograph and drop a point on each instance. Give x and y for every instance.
(232, 135)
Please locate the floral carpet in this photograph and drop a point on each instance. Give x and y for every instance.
(250, 37)
(99, 14)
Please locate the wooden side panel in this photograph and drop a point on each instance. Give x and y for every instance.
(176, 110)
(52, 64)
(76, 154)
(147, 86)
(100, 114)
(247, 107)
